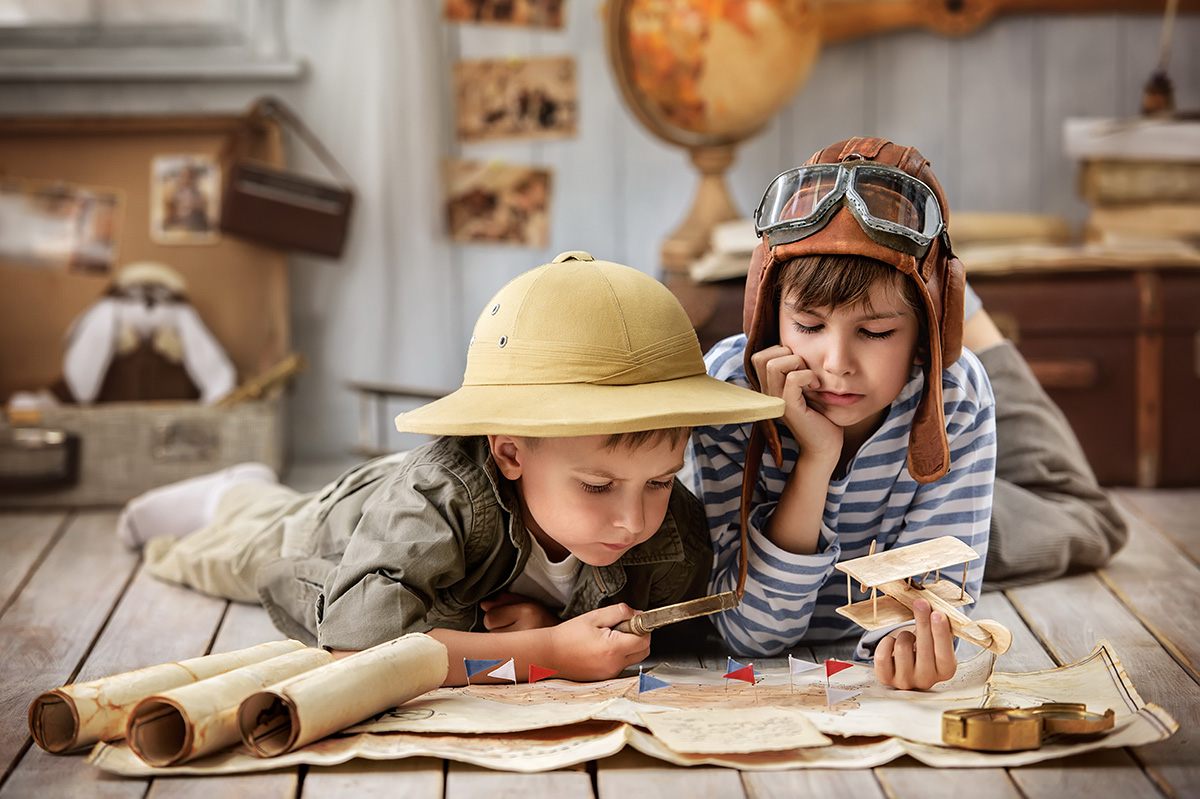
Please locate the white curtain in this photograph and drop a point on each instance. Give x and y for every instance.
(389, 310)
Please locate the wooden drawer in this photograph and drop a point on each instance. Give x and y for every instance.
(1118, 352)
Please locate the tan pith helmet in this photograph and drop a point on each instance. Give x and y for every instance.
(583, 347)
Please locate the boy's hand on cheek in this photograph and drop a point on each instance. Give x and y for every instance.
(586, 648)
(919, 659)
(782, 373)
(512, 612)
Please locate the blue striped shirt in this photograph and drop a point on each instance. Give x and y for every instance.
(791, 598)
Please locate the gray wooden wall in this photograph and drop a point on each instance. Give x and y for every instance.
(987, 109)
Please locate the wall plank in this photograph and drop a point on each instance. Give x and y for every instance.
(987, 109)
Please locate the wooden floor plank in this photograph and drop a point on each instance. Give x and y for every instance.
(226, 786)
(53, 621)
(154, 622)
(833, 783)
(23, 539)
(414, 778)
(471, 782)
(629, 774)
(44, 775)
(1098, 774)
(1072, 614)
(1174, 512)
(1162, 586)
(908, 778)
(245, 625)
(1027, 652)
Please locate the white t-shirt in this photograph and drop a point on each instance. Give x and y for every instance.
(548, 582)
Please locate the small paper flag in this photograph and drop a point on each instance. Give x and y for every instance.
(832, 667)
(506, 672)
(798, 666)
(473, 667)
(745, 674)
(540, 673)
(835, 695)
(648, 683)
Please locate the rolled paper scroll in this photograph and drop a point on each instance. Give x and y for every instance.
(195, 720)
(310, 706)
(84, 713)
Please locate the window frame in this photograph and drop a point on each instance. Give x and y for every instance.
(249, 44)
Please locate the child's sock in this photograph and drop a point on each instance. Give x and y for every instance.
(179, 508)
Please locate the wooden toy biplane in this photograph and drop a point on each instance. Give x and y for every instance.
(891, 574)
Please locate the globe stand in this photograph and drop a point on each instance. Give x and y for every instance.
(711, 307)
(711, 206)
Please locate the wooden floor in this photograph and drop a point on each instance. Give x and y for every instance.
(75, 605)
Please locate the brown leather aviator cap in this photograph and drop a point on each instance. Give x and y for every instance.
(937, 273)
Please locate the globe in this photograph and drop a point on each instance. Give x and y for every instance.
(706, 75)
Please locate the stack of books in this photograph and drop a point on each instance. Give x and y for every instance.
(1141, 178)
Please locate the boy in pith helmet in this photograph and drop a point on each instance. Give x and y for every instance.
(544, 513)
(853, 316)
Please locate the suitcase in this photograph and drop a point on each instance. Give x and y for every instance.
(239, 289)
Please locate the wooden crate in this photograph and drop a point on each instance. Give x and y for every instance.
(238, 288)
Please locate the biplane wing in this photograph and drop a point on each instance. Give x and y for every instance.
(897, 564)
(888, 574)
(886, 611)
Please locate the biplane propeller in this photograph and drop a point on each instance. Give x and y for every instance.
(890, 575)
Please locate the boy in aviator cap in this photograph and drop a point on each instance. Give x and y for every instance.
(854, 315)
(542, 515)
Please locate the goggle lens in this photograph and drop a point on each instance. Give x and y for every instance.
(907, 203)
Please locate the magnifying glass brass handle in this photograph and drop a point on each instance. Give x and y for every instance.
(644, 623)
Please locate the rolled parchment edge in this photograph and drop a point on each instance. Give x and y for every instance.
(272, 721)
(58, 732)
(150, 747)
(198, 719)
(51, 729)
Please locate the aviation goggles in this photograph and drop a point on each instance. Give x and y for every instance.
(892, 207)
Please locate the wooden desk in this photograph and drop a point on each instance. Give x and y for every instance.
(61, 622)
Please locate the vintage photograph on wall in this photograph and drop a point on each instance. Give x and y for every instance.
(501, 203)
(185, 196)
(516, 98)
(53, 225)
(531, 13)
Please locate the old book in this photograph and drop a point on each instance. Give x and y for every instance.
(1112, 181)
(1148, 221)
(1138, 138)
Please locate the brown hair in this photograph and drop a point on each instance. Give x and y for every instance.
(833, 281)
(640, 438)
(636, 439)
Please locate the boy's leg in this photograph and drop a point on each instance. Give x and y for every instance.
(223, 558)
(179, 508)
(1049, 516)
